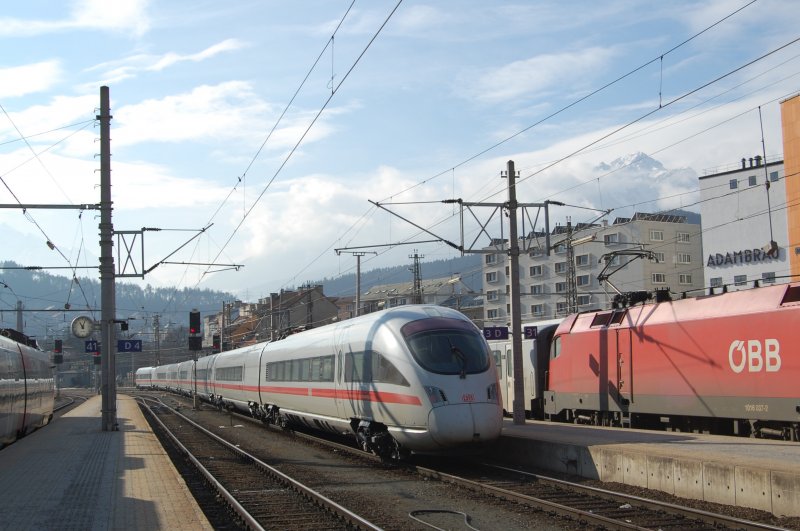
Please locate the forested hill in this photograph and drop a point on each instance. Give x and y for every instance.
(50, 301)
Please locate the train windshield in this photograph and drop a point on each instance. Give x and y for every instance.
(447, 346)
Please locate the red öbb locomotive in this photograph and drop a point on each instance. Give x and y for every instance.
(725, 363)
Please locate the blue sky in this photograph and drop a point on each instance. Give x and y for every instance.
(429, 107)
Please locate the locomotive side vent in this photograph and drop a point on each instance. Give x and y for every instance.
(792, 295)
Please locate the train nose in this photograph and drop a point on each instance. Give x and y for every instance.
(459, 424)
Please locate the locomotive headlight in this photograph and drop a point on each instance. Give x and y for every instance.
(435, 395)
(491, 393)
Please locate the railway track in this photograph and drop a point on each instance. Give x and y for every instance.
(550, 497)
(589, 505)
(261, 496)
(601, 507)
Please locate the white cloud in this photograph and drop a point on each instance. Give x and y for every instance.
(532, 78)
(173, 58)
(121, 15)
(124, 15)
(28, 79)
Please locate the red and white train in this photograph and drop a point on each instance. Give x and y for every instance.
(27, 387)
(727, 363)
(408, 379)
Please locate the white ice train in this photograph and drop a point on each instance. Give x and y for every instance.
(408, 379)
(27, 389)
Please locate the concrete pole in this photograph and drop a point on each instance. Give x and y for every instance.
(516, 321)
(107, 279)
(358, 282)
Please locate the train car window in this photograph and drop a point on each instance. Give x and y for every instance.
(294, 375)
(305, 370)
(447, 346)
(371, 367)
(509, 363)
(202, 375)
(183, 375)
(497, 362)
(384, 371)
(230, 374)
(355, 370)
(326, 369)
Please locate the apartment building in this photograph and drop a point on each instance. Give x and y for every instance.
(646, 252)
(744, 211)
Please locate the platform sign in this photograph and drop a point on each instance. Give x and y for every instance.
(129, 345)
(92, 345)
(495, 332)
(529, 332)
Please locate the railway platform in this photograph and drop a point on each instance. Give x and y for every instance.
(757, 473)
(73, 475)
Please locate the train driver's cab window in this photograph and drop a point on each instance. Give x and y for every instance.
(555, 351)
(447, 346)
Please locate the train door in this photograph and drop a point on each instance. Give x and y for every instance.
(341, 347)
(624, 371)
(506, 375)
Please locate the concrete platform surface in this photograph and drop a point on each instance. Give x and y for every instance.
(72, 475)
(757, 473)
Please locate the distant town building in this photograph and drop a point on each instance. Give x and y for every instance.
(448, 291)
(646, 252)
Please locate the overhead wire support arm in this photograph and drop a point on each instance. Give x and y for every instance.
(426, 231)
(187, 242)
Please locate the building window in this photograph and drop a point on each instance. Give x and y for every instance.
(561, 248)
(491, 276)
(561, 287)
(561, 267)
(584, 300)
(611, 239)
(684, 258)
(685, 279)
(612, 260)
(583, 280)
(682, 237)
(537, 310)
(659, 278)
(716, 282)
(582, 260)
(773, 176)
(507, 270)
(561, 308)
(740, 280)
(491, 295)
(535, 271)
(536, 252)
(656, 235)
(751, 180)
(491, 258)
(733, 184)
(492, 314)
(768, 278)
(537, 289)
(659, 257)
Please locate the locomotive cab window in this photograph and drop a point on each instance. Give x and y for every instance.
(555, 351)
(447, 346)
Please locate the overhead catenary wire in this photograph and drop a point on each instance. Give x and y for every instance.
(305, 133)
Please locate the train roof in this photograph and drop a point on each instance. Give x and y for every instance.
(752, 301)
